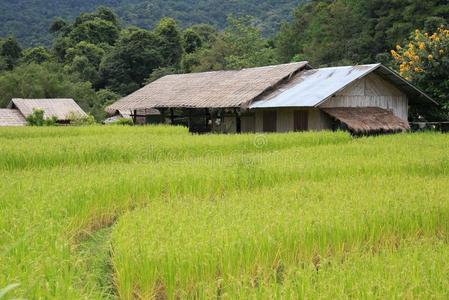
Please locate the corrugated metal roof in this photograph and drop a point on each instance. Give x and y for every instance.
(221, 89)
(310, 88)
(11, 117)
(313, 87)
(60, 108)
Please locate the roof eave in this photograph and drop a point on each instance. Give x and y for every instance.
(387, 71)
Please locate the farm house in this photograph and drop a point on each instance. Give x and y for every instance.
(363, 99)
(18, 109)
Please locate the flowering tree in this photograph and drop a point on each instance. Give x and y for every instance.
(425, 62)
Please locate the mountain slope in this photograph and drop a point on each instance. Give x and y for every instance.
(29, 20)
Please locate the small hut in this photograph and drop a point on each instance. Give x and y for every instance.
(19, 109)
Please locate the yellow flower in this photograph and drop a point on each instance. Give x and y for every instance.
(430, 57)
(422, 46)
(441, 52)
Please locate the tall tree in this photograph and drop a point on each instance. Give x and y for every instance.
(133, 59)
(170, 41)
(11, 52)
(424, 60)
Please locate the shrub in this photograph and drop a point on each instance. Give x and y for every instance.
(37, 118)
(123, 122)
(79, 120)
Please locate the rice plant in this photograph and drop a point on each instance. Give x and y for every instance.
(154, 212)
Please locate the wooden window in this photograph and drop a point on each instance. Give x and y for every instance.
(301, 120)
(269, 121)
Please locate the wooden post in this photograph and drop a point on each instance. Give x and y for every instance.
(238, 122)
(190, 119)
(172, 116)
(207, 114)
(134, 117)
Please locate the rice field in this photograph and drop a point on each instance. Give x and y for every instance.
(157, 213)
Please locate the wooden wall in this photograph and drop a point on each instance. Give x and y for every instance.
(372, 90)
(285, 120)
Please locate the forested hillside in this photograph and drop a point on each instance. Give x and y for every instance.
(29, 20)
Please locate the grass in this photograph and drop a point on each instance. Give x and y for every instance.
(148, 212)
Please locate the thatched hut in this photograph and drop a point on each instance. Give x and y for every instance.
(291, 97)
(18, 109)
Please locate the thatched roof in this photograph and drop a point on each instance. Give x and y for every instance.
(368, 120)
(221, 89)
(11, 117)
(60, 108)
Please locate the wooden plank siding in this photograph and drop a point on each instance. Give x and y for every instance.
(269, 121)
(300, 120)
(316, 120)
(372, 91)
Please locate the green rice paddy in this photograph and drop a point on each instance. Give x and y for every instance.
(157, 213)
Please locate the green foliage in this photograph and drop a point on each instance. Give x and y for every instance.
(95, 31)
(11, 52)
(106, 97)
(240, 45)
(47, 80)
(37, 118)
(133, 59)
(79, 120)
(245, 46)
(191, 40)
(58, 25)
(123, 122)
(353, 31)
(84, 59)
(170, 43)
(36, 55)
(424, 60)
(161, 72)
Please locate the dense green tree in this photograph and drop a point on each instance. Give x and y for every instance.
(58, 25)
(92, 52)
(245, 46)
(133, 59)
(240, 45)
(100, 28)
(207, 33)
(95, 31)
(192, 41)
(107, 97)
(424, 60)
(11, 52)
(82, 67)
(170, 41)
(102, 12)
(161, 72)
(47, 80)
(36, 55)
